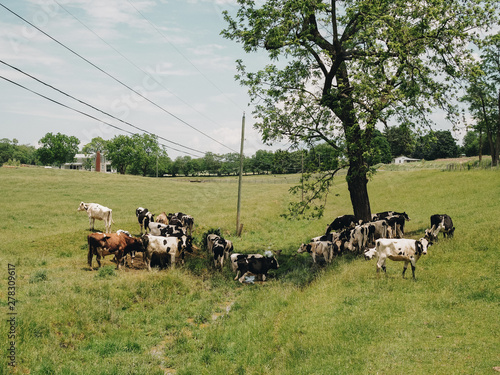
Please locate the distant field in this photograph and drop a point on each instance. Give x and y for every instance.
(306, 319)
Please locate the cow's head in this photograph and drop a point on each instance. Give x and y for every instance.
(304, 248)
(405, 215)
(82, 207)
(429, 235)
(272, 263)
(189, 243)
(422, 245)
(370, 253)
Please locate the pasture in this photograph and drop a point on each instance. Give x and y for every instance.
(305, 319)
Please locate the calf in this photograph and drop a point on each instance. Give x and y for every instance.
(118, 244)
(96, 211)
(403, 249)
(443, 221)
(258, 266)
(326, 249)
(144, 217)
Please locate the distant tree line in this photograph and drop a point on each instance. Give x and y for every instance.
(143, 155)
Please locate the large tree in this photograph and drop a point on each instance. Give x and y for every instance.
(145, 155)
(57, 149)
(120, 150)
(339, 68)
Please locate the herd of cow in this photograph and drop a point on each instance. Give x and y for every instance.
(382, 237)
(170, 237)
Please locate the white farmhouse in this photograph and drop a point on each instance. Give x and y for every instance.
(80, 161)
(403, 160)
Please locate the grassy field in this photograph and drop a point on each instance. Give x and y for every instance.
(306, 319)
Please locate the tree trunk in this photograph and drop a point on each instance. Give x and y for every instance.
(480, 144)
(357, 183)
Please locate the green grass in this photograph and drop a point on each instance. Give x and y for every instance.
(306, 319)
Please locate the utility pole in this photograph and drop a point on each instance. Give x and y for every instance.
(239, 227)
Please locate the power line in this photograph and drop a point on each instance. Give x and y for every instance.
(180, 53)
(97, 109)
(133, 64)
(114, 78)
(81, 112)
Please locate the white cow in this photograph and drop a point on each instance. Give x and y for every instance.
(398, 249)
(96, 211)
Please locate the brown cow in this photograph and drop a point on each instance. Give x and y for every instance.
(118, 244)
(162, 218)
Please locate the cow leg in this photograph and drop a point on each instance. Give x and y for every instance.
(413, 264)
(405, 267)
(242, 278)
(381, 264)
(172, 260)
(90, 256)
(237, 274)
(98, 258)
(147, 259)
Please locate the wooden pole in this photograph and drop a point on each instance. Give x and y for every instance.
(238, 226)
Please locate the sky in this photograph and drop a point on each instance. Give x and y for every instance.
(170, 52)
(100, 52)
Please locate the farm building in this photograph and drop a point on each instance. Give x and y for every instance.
(81, 160)
(403, 159)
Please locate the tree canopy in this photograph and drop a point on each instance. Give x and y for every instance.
(57, 149)
(339, 68)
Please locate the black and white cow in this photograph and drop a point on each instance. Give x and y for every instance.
(356, 239)
(256, 266)
(400, 249)
(443, 223)
(236, 257)
(377, 229)
(219, 249)
(386, 214)
(173, 248)
(342, 222)
(166, 230)
(144, 217)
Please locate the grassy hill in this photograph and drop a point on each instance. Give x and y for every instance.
(306, 319)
